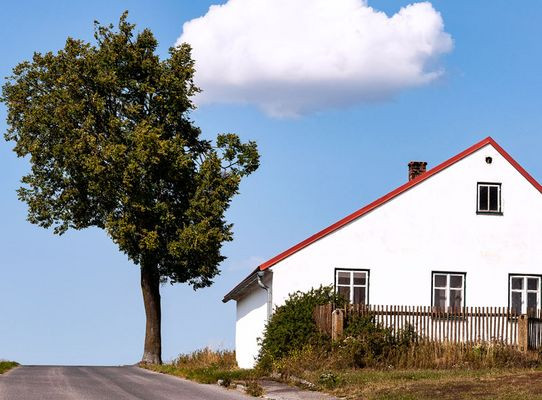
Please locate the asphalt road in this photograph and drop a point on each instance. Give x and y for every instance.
(103, 383)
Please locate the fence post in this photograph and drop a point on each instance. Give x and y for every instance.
(337, 324)
(523, 332)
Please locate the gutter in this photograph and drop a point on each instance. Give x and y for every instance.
(268, 289)
(255, 277)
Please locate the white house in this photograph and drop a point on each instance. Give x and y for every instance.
(465, 233)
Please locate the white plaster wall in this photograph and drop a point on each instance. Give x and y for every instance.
(251, 319)
(432, 227)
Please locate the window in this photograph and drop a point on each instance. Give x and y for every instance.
(489, 198)
(448, 290)
(524, 293)
(353, 285)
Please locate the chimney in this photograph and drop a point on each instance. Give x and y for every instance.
(416, 168)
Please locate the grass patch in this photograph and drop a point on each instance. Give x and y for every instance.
(430, 384)
(208, 366)
(443, 371)
(7, 365)
(354, 354)
(204, 375)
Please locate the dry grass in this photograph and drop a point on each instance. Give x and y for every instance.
(205, 358)
(344, 356)
(433, 384)
(422, 371)
(450, 355)
(207, 366)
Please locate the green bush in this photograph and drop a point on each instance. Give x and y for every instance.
(292, 325)
(368, 344)
(292, 332)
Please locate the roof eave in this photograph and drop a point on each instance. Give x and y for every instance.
(241, 288)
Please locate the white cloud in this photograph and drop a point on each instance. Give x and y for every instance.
(293, 57)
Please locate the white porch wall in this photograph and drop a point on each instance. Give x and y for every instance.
(251, 319)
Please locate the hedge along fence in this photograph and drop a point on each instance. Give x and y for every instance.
(470, 325)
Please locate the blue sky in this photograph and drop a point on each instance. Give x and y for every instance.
(76, 300)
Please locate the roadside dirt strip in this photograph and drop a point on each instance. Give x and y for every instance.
(280, 391)
(103, 383)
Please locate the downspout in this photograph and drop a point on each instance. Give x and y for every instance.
(260, 275)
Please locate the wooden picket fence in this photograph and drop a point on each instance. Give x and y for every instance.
(466, 325)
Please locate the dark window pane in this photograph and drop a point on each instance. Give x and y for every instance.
(359, 295)
(344, 278)
(531, 302)
(439, 298)
(440, 280)
(517, 283)
(359, 278)
(344, 291)
(455, 299)
(456, 281)
(494, 198)
(532, 283)
(482, 198)
(516, 302)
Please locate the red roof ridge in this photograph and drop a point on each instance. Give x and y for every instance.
(401, 189)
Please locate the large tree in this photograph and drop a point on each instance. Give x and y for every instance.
(107, 130)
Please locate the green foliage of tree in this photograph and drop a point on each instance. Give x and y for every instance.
(292, 325)
(107, 130)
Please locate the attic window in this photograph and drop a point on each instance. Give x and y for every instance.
(352, 285)
(489, 198)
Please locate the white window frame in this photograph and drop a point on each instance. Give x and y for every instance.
(351, 286)
(525, 291)
(479, 198)
(447, 287)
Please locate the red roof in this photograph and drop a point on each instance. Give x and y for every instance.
(370, 207)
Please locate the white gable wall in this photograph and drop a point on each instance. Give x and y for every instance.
(431, 227)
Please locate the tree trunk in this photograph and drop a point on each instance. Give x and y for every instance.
(150, 286)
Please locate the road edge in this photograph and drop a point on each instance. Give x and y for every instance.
(214, 386)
